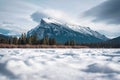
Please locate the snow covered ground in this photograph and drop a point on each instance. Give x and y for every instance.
(59, 64)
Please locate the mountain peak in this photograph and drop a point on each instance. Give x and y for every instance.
(50, 20)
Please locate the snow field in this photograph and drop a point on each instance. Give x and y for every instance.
(59, 64)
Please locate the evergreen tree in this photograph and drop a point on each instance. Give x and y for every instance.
(2, 40)
(19, 40)
(33, 39)
(70, 43)
(23, 38)
(15, 40)
(67, 43)
(45, 40)
(52, 41)
(29, 40)
(9, 41)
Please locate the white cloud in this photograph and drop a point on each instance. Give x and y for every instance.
(11, 28)
(110, 30)
(19, 13)
(56, 14)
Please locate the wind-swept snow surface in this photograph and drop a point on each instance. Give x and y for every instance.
(59, 64)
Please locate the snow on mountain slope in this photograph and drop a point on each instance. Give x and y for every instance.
(87, 31)
(63, 32)
(81, 29)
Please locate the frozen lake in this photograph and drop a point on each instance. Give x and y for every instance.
(59, 64)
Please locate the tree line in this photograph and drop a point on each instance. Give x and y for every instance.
(33, 40)
(105, 44)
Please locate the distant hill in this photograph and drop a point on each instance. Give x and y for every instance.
(115, 40)
(112, 43)
(4, 36)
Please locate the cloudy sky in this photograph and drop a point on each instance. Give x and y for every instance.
(18, 16)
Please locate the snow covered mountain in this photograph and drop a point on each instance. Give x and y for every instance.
(87, 31)
(64, 32)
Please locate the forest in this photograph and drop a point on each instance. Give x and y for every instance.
(33, 42)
